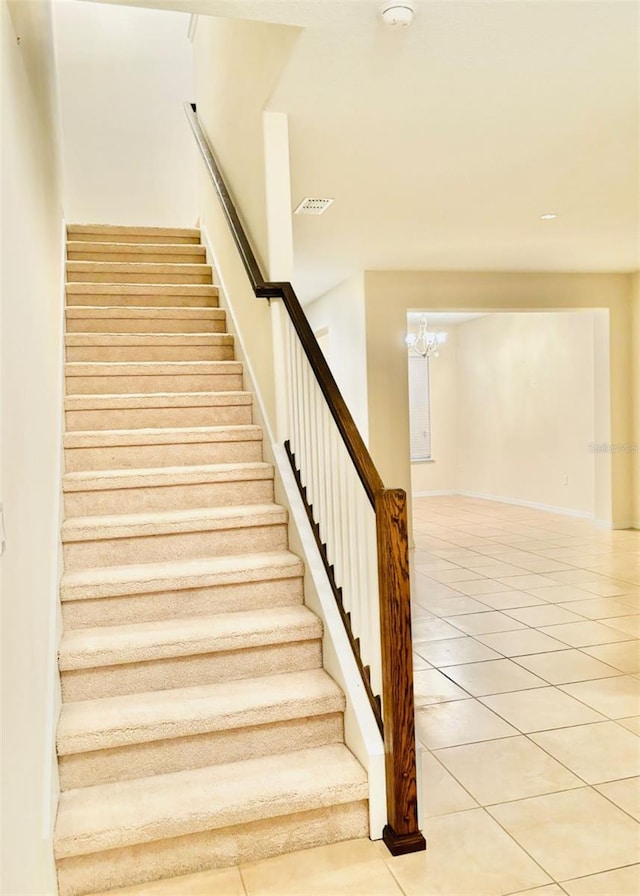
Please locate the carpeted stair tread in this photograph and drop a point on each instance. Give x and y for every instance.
(108, 816)
(132, 525)
(149, 578)
(109, 438)
(98, 480)
(142, 642)
(150, 368)
(110, 722)
(163, 312)
(123, 230)
(150, 339)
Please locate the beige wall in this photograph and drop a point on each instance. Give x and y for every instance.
(389, 295)
(341, 313)
(441, 473)
(526, 408)
(237, 65)
(124, 74)
(31, 422)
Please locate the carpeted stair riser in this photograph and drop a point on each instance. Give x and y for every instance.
(109, 295)
(98, 347)
(137, 378)
(145, 320)
(150, 274)
(115, 233)
(212, 849)
(202, 494)
(211, 748)
(124, 457)
(105, 551)
(147, 418)
(193, 669)
(176, 604)
(163, 253)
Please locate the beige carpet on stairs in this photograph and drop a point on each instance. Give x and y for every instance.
(198, 728)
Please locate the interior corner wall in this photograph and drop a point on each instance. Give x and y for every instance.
(129, 156)
(390, 294)
(341, 312)
(440, 474)
(526, 408)
(238, 64)
(635, 446)
(31, 375)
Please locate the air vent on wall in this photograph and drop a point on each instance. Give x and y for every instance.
(311, 206)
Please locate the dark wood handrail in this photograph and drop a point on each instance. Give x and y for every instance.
(347, 428)
(401, 833)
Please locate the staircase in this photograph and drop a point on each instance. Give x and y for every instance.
(198, 728)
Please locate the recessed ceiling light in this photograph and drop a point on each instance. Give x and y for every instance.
(548, 217)
(397, 13)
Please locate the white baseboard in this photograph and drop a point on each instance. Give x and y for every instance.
(534, 505)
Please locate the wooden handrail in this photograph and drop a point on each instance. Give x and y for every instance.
(401, 833)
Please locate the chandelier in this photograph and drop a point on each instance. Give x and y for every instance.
(425, 343)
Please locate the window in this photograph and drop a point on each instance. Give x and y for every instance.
(419, 408)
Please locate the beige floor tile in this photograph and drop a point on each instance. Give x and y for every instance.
(584, 634)
(482, 623)
(630, 625)
(565, 666)
(353, 867)
(478, 587)
(547, 614)
(621, 882)
(574, 576)
(527, 582)
(551, 890)
(441, 793)
(597, 753)
(607, 588)
(493, 677)
(540, 709)
(632, 724)
(625, 794)
(468, 855)
(565, 832)
(431, 686)
(455, 651)
(432, 630)
(492, 570)
(456, 606)
(506, 600)
(434, 564)
(520, 643)
(451, 576)
(420, 663)
(561, 593)
(459, 722)
(624, 656)
(600, 608)
(616, 698)
(222, 882)
(499, 771)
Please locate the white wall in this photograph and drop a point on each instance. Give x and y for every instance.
(341, 312)
(513, 407)
(129, 156)
(31, 423)
(526, 408)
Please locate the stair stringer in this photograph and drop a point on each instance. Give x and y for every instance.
(361, 732)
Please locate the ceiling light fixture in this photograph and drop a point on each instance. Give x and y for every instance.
(550, 216)
(397, 14)
(423, 342)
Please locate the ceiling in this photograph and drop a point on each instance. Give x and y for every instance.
(442, 144)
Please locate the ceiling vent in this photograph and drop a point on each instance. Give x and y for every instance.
(311, 206)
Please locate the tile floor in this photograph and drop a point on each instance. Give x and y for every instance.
(527, 669)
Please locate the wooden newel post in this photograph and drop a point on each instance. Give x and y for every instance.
(401, 833)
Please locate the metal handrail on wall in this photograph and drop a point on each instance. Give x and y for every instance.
(360, 527)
